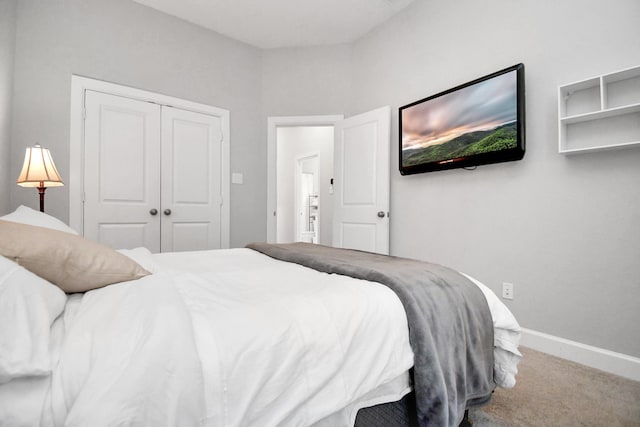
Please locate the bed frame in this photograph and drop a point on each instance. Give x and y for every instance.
(401, 414)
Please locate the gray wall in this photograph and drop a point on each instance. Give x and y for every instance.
(306, 81)
(564, 229)
(126, 43)
(7, 45)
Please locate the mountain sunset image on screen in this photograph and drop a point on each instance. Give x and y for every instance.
(476, 119)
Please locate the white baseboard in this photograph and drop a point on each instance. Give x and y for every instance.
(595, 357)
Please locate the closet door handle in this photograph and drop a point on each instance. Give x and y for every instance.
(167, 212)
(153, 211)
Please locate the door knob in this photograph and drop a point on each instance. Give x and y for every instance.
(153, 211)
(167, 211)
(380, 214)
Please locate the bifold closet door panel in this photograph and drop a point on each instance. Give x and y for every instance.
(122, 171)
(191, 180)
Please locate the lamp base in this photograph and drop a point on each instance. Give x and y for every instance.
(41, 190)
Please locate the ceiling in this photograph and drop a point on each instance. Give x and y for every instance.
(284, 23)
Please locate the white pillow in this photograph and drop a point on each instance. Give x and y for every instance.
(28, 307)
(26, 215)
(143, 257)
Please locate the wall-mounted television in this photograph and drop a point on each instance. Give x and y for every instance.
(473, 124)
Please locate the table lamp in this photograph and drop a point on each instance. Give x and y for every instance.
(39, 171)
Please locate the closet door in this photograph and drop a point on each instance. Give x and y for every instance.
(191, 180)
(122, 171)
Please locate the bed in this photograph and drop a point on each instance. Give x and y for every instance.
(229, 337)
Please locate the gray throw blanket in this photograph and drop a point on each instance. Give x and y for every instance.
(450, 325)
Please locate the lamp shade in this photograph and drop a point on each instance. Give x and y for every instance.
(38, 169)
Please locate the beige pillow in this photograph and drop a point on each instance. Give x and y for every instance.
(71, 262)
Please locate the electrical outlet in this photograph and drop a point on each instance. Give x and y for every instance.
(507, 290)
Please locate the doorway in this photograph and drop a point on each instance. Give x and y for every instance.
(304, 169)
(361, 182)
(291, 139)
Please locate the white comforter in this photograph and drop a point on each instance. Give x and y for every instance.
(228, 338)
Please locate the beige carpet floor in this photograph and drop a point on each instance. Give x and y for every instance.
(555, 392)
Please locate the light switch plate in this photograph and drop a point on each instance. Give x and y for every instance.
(237, 178)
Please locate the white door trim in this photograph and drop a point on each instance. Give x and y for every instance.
(79, 85)
(273, 123)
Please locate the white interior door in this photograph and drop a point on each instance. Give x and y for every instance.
(122, 171)
(191, 180)
(361, 182)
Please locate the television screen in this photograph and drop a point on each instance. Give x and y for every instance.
(476, 123)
